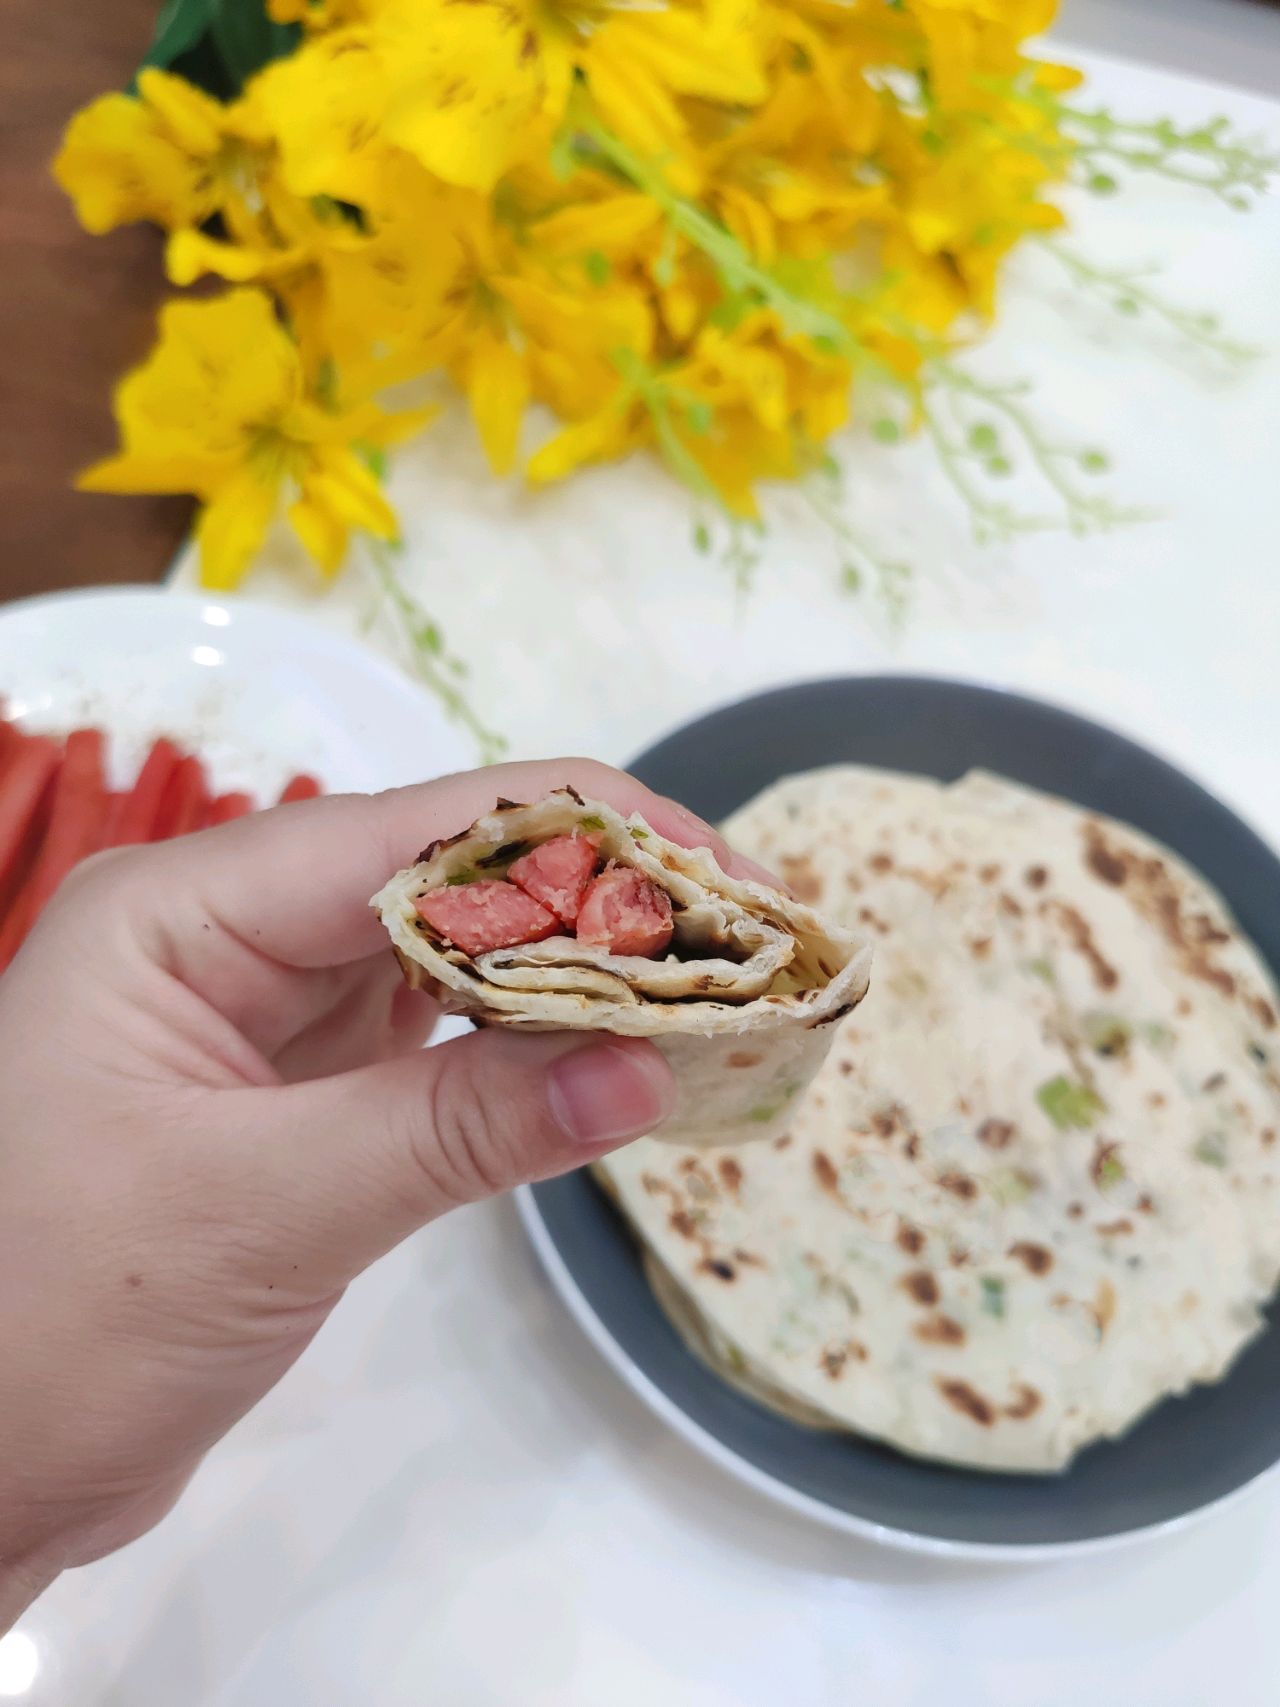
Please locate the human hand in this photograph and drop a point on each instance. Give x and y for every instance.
(214, 1112)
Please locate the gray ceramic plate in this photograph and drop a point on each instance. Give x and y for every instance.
(1189, 1453)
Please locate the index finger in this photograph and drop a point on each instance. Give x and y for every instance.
(295, 883)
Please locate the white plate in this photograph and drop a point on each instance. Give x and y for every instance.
(257, 692)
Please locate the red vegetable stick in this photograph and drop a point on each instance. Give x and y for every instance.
(138, 815)
(27, 775)
(111, 815)
(300, 787)
(183, 802)
(75, 818)
(228, 806)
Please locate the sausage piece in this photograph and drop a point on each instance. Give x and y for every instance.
(478, 917)
(558, 872)
(625, 913)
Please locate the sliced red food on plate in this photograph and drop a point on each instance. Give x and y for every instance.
(557, 873)
(300, 787)
(75, 822)
(228, 806)
(626, 913)
(29, 767)
(138, 815)
(478, 917)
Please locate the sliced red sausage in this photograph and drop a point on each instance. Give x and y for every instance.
(625, 913)
(558, 872)
(477, 917)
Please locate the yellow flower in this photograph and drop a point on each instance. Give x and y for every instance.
(969, 37)
(220, 409)
(172, 155)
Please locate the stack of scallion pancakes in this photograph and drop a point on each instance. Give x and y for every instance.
(1036, 1185)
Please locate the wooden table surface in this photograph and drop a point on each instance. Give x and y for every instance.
(74, 312)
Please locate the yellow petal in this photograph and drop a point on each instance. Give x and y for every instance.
(323, 535)
(598, 439)
(340, 483)
(497, 389)
(191, 255)
(221, 371)
(192, 119)
(616, 223)
(232, 527)
(159, 473)
(117, 165)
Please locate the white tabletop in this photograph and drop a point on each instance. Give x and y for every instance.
(451, 1500)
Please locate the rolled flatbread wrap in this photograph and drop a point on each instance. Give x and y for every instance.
(565, 916)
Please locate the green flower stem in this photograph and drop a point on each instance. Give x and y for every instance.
(432, 664)
(1123, 290)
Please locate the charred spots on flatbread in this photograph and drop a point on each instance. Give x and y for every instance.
(1011, 907)
(1264, 1013)
(717, 1266)
(921, 1286)
(1027, 1401)
(996, 1134)
(1114, 1229)
(744, 1058)
(959, 1185)
(682, 1222)
(1036, 1259)
(1036, 876)
(968, 1400)
(730, 1174)
(909, 1239)
(939, 1330)
(1080, 937)
(796, 871)
(1106, 863)
(881, 862)
(826, 1173)
(783, 1142)
(980, 947)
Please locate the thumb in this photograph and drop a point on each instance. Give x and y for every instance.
(360, 1160)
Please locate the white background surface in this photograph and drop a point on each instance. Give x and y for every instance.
(451, 1500)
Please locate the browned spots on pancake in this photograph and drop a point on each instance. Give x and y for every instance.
(980, 947)
(885, 1121)
(730, 1174)
(911, 1149)
(1263, 1012)
(744, 1058)
(846, 1067)
(683, 1223)
(959, 1185)
(798, 874)
(783, 1143)
(1114, 1229)
(1106, 1157)
(958, 1256)
(1012, 907)
(921, 1286)
(717, 1266)
(1156, 1099)
(1075, 1210)
(909, 1239)
(1104, 862)
(1183, 1007)
(657, 1187)
(1268, 1136)
(939, 1330)
(1036, 1259)
(996, 1134)
(1104, 1305)
(1145, 1204)
(867, 916)
(1036, 876)
(1025, 1404)
(1077, 928)
(826, 1173)
(1214, 1082)
(967, 1399)
(833, 1358)
(881, 862)
(749, 1259)
(988, 873)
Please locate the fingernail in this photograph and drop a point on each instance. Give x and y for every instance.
(610, 1091)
